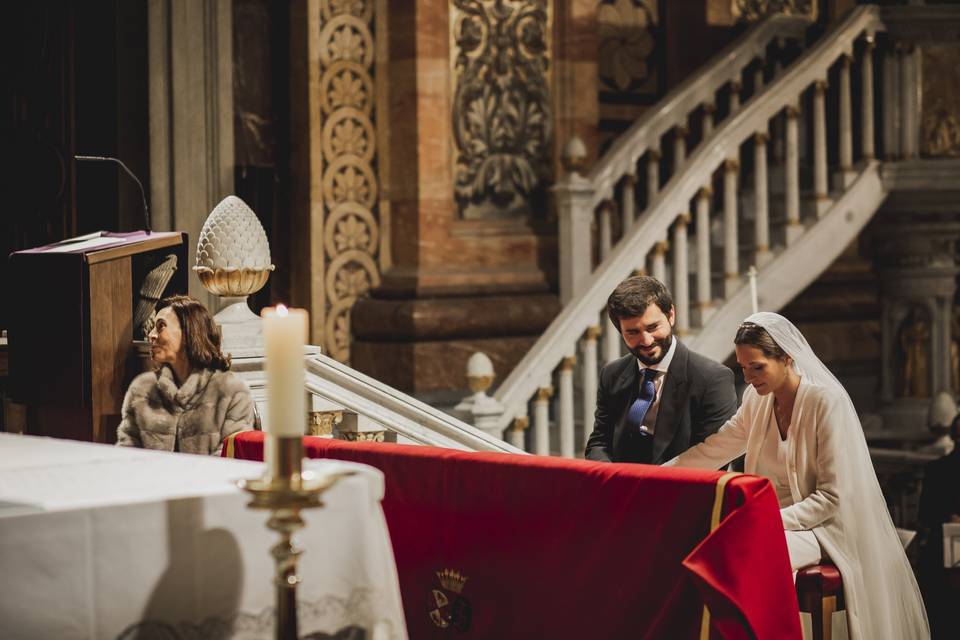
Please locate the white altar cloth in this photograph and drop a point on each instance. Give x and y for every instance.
(109, 542)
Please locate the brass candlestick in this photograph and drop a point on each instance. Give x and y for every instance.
(284, 490)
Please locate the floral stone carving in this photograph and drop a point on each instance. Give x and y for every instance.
(501, 108)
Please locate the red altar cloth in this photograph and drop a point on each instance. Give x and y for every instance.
(492, 545)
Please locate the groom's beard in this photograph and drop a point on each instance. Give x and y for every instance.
(659, 349)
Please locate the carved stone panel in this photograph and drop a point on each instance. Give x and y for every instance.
(940, 117)
(502, 122)
(755, 10)
(350, 186)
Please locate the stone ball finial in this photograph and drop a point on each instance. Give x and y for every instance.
(480, 374)
(942, 411)
(574, 155)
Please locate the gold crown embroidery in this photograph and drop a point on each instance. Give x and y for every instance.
(452, 580)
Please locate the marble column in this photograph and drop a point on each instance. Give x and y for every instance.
(473, 256)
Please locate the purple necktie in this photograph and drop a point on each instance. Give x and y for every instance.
(648, 393)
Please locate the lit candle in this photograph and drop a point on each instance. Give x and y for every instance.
(285, 334)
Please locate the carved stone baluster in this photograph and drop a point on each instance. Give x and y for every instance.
(846, 124)
(681, 274)
(606, 230)
(730, 241)
(679, 147)
(792, 176)
(653, 174)
(565, 412)
(708, 111)
(588, 348)
(611, 341)
(541, 420)
(704, 295)
(515, 431)
(735, 88)
(758, 77)
(866, 92)
(820, 186)
(659, 262)
(762, 222)
(628, 199)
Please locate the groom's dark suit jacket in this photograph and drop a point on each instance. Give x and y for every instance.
(697, 398)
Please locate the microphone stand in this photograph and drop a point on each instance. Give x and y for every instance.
(143, 195)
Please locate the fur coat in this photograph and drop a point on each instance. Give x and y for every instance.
(193, 418)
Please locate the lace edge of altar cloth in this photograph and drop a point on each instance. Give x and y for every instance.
(363, 615)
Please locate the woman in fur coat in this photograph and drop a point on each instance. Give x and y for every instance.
(192, 401)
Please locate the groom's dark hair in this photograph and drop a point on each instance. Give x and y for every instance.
(632, 297)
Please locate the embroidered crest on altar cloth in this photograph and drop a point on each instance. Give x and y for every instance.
(448, 606)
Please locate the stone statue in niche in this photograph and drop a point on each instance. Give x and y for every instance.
(501, 107)
(914, 341)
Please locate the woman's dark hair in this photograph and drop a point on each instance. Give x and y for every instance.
(753, 335)
(201, 335)
(632, 297)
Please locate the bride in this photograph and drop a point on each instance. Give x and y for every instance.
(799, 428)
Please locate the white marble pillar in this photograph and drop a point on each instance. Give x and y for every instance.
(708, 112)
(908, 95)
(820, 184)
(866, 99)
(731, 267)
(541, 420)
(679, 147)
(588, 350)
(653, 174)
(762, 200)
(573, 195)
(516, 431)
(704, 295)
(681, 274)
(846, 124)
(891, 103)
(605, 231)
(628, 201)
(659, 262)
(792, 176)
(565, 409)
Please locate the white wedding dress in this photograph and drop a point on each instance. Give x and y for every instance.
(834, 488)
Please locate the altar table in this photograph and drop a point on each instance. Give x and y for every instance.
(494, 545)
(108, 542)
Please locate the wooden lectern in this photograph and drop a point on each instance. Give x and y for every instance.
(70, 335)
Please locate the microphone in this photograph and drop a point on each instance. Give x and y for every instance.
(143, 195)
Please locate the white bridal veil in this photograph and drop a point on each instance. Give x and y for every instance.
(862, 541)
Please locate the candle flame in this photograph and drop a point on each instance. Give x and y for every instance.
(282, 310)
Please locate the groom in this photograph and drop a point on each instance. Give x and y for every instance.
(660, 399)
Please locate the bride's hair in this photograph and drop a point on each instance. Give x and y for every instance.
(753, 335)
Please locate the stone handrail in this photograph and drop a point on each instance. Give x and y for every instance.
(668, 209)
(396, 411)
(675, 108)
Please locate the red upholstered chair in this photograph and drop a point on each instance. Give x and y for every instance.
(820, 594)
